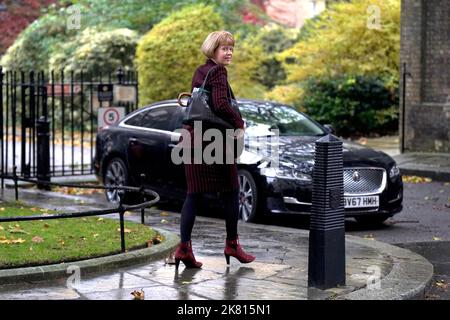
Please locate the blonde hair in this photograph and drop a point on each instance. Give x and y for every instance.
(214, 40)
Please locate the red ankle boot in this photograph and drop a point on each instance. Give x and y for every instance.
(234, 249)
(185, 254)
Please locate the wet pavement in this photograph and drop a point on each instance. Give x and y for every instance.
(280, 271)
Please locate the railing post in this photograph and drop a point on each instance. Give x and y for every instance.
(43, 152)
(120, 74)
(1, 127)
(143, 198)
(16, 187)
(122, 226)
(326, 265)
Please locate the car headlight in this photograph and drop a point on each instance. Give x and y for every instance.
(285, 173)
(394, 172)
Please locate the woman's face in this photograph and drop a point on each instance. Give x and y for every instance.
(223, 55)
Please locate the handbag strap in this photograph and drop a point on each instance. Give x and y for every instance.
(206, 78)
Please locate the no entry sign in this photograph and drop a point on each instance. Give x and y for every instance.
(109, 116)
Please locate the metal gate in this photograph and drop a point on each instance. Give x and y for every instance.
(55, 115)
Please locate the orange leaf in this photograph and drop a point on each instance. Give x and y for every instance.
(37, 239)
(138, 295)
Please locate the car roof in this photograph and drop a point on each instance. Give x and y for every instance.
(242, 101)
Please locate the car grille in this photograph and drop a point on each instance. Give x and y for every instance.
(364, 180)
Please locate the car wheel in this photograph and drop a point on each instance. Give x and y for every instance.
(116, 175)
(371, 220)
(248, 196)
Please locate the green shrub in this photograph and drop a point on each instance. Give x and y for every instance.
(49, 36)
(168, 55)
(34, 46)
(354, 105)
(95, 51)
(273, 39)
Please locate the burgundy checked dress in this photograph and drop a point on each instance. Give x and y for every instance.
(214, 177)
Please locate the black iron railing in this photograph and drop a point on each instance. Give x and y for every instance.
(69, 102)
(121, 209)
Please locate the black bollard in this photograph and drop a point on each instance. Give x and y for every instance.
(43, 152)
(326, 265)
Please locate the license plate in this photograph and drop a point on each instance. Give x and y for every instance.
(361, 202)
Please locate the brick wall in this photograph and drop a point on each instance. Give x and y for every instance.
(425, 48)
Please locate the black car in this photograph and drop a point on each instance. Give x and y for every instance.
(142, 143)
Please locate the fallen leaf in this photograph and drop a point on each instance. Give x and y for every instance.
(125, 230)
(17, 230)
(369, 237)
(46, 225)
(437, 239)
(127, 213)
(186, 282)
(1, 228)
(100, 219)
(157, 239)
(31, 249)
(416, 179)
(33, 209)
(164, 214)
(138, 295)
(95, 235)
(61, 242)
(2, 209)
(37, 239)
(442, 284)
(12, 241)
(164, 221)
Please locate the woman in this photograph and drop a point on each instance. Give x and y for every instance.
(213, 178)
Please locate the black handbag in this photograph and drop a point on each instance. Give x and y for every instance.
(198, 108)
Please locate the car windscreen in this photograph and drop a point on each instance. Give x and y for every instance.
(289, 122)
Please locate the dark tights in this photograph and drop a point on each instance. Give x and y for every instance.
(192, 205)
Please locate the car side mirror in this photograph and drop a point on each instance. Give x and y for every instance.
(329, 128)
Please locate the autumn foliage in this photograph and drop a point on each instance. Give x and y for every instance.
(17, 15)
